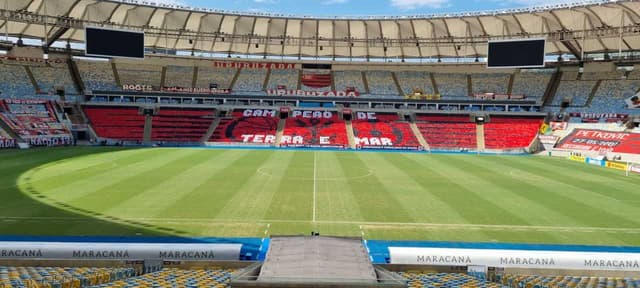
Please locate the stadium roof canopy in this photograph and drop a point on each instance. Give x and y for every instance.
(585, 27)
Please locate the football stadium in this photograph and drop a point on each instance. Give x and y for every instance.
(145, 144)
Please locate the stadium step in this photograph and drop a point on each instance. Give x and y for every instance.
(280, 132)
(480, 137)
(211, 129)
(148, 127)
(419, 136)
(350, 136)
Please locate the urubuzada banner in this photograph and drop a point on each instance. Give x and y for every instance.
(7, 143)
(254, 65)
(601, 141)
(302, 93)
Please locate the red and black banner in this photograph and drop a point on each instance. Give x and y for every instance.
(602, 141)
(316, 80)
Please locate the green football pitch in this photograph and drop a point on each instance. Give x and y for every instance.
(253, 193)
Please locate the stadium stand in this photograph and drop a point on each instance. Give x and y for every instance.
(347, 79)
(411, 80)
(122, 123)
(232, 129)
(181, 125)
(447, 132)
(452, 86)
(517, 281)
(14, 82)
(221, 77)
(50, 78)
(173, 277)
(97, 75)
(35, 119)
(283, 77)
(250, 80)
(381, 84)
(531, 83)
(510, 132)
(611, 95)
(139, 74)
(384, 130)
(315, 129)
(490, 83)
(577, 92)
(178, 76)
(59, 277)
(448, 280)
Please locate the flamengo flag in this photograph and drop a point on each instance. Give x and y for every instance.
(633, 102)
(316, 80)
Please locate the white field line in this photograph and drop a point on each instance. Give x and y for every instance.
(314, 184)
(365, 225)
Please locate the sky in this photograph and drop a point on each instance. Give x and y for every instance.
(329, 8)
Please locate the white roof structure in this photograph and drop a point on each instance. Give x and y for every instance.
(584, 27)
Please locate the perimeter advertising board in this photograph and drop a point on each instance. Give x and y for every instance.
(118, 251)
(515, 258)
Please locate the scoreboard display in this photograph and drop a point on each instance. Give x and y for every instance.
(104, 42)
(527, 53)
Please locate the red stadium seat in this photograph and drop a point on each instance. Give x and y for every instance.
(246, 129)
(384, 131)
(315, 131)
(447, 132)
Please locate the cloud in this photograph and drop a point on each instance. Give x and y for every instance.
(415, 4)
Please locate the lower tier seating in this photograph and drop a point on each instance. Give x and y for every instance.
(445, 280)
(315, 131)
(123, 123)
(33, 119)
(510, 133)
(200, 278)
(58, 277)
(448, 132)
(384, 131)
(181, 125)
(246, 129)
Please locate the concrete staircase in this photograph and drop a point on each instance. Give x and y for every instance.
(280, 132)
(212, 128)
(480, 137)
(419, 136)
(350, 135)
(148, 126)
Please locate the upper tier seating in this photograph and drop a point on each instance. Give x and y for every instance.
(345, 79)
(611, 95)
(452, 86)
(33, 120)
(142, 74)
(122, 123)
(58, 277)
(181, 125)
(447, 132)
(517, 281)
(445, 280)
(211, 75)
(97, 75)
(381, 84)
(490, 83)
(411, 80)
(577, 91)
(170, 277)
(178, 76)
(612, 75)
(531, 83)
(14, 82)
(250, 80)
(231, 130)
(384, 131)
(49, 78)
(285, 77)
(510, 132)
(315, 130)
(315, 71)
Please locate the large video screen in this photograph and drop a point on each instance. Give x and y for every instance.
(516, 53)
(114, 43)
